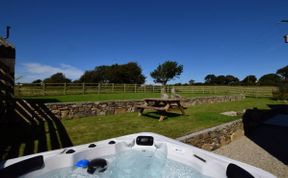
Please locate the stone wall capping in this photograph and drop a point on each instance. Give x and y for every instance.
(92, 102)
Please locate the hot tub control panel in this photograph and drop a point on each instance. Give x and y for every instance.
(145, 140)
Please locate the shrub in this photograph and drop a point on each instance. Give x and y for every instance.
(282, 93)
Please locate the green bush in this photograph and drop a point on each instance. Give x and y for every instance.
(282, 93)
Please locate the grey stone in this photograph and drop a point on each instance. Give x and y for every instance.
(237, 134)
(230, 113)
(208, 147)
(64, 114)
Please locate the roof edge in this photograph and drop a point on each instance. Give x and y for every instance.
(4, 42)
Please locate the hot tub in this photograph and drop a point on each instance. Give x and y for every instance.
(137, 155)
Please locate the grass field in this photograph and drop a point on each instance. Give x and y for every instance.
(102, 97)
(198, 117)
(56, 89)
(37, 136)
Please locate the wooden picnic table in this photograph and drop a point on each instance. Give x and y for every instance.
(161, 105)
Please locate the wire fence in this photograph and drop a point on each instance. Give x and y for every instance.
(49, 89)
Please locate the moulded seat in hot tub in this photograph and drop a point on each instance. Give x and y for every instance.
(22, 167)
(234, 171)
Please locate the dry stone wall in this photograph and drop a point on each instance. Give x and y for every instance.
(211, 100)
(215, 137)
(84, 109)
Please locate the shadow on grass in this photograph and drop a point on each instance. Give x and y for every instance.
(156, 115)
(29, 127)
(268, 128)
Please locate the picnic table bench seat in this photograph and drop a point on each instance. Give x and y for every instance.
(151, 107)
(163, 106)
(172, 106)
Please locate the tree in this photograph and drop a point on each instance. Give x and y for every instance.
(57, 78)
(283, 72)
(166, 71)
(37, 81)
(231, 80)
(178, 84)
(282, 92)
(124, 73)
(269, 79)
(191, 82)
(249, 80)
(210, 79)
(99, 75)
(220, 80)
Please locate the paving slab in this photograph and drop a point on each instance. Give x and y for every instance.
(247, 151)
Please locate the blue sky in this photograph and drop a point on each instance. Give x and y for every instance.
(239, 37)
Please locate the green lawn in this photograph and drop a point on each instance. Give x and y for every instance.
(102, 97)
(91, 129)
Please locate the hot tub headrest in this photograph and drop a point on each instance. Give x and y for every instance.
(22, 167)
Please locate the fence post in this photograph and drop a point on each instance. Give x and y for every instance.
(44, 89)
(99, 88)
(83, 88)
(16, 90)
(144, 88)
(19, 89)
(124, 87)
(112, 87)
(65, 85)
(135, 88)
(153, 89)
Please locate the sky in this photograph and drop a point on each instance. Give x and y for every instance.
(223, 37)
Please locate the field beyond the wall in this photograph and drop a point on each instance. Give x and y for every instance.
(104, 97)
(83, 91)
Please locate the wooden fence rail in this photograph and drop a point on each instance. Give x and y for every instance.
(44, 89)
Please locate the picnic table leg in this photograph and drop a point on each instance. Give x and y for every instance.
(181, 108)
(164, 113)
(140, 112)
(162, 117)
(167, 107)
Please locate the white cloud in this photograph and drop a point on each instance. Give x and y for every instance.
(33, 71)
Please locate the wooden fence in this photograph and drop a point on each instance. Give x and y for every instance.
(250, 91)
(46, 89)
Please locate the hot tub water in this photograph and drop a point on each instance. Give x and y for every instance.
(133, 164)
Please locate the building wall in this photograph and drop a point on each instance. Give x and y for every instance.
(7, 69)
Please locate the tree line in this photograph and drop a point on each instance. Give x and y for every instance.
(271, 79)
(131, 73)
(250, 80)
